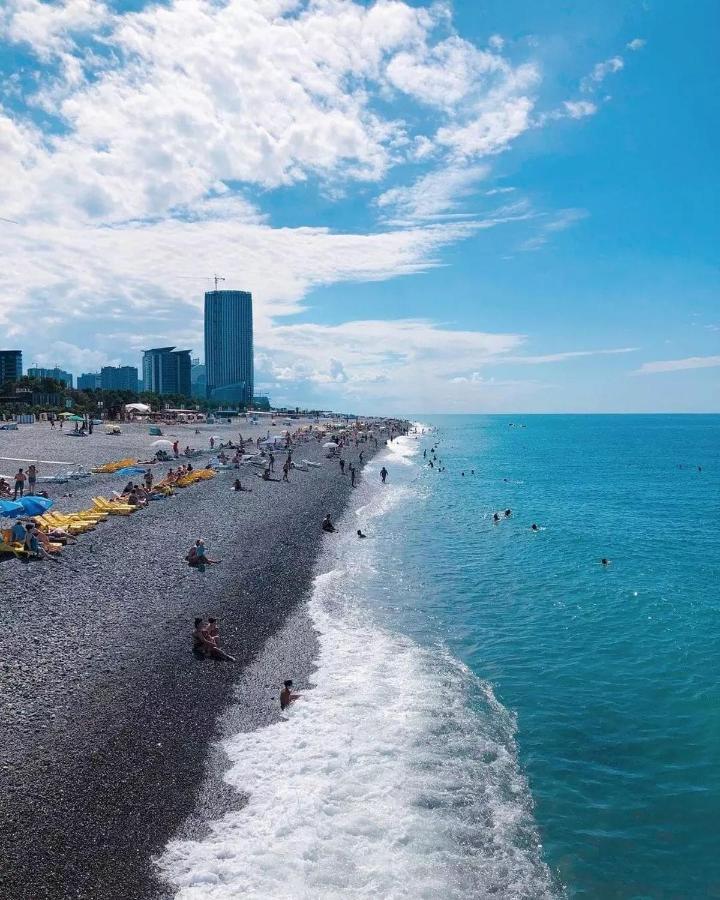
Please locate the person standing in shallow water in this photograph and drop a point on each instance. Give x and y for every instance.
(383, 474)
(286, 694)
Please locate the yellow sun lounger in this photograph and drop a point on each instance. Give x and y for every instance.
(113, 509)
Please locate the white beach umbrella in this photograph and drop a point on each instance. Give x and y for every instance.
(162, 445)
(331, 445)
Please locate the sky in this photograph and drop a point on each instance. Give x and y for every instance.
(478, 206)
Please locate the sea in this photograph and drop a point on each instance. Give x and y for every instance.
(495, 713)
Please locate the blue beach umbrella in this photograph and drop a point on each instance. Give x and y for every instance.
(10, 508)
(35, 506)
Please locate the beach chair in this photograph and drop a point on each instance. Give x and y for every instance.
(69, 523)
(113, 509)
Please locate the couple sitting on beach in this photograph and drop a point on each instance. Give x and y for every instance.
(206, 640)
(198, 558)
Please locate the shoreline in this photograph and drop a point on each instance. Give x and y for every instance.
(113, 719)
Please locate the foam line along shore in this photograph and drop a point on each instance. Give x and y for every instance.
(394, 775)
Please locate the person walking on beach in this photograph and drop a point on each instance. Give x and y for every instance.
(176, 449)
(20, 478)
(286, 694)
(286, 470)
(383, 474)
(352, 475)
(32, 479)
(272, 462)
(342, 466)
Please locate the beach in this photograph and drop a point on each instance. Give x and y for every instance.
(111, 717)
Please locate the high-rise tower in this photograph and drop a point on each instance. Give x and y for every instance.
(229, 346)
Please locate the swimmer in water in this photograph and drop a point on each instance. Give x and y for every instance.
(360, 534)
(604, 561)
(534, 527)
(496, 517)
(508, 513)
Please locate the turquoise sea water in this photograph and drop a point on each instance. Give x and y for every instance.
(613, 673)
(492, 712)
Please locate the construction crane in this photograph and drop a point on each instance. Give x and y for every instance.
(216, 278)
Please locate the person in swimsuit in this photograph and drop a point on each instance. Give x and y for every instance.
(20, 479)
(286, 694)
(32, 479)
(383, 474)
(212, 634)
(360, 534)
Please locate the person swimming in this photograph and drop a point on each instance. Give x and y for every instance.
(605, 561)
(496, 517)
(534, 527)
(508, 513)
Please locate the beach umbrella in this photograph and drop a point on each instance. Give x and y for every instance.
(35, 506)
(75, 419)
(331, 445)
(11, 508)
(162, 444)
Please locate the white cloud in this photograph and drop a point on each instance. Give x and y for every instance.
(49, 27)
(560, 221)
(568, 354)
(170, 123)
(433, 194)
(636, 44)
(678, 365)
(578, 109)
(600, 72)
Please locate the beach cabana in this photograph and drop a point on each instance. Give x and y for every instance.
(141, 408)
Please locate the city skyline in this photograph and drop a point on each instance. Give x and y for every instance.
(435, 209)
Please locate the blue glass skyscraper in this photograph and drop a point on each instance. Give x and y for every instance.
(229, 346)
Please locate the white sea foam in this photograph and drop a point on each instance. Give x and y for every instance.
(395, 776)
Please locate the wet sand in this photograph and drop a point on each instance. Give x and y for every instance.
(108, 717)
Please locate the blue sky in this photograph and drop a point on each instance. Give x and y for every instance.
(470, 207)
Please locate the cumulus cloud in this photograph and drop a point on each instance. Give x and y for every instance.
(678, 365)
(170, 124)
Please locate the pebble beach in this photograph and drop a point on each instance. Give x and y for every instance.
(109, 718)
